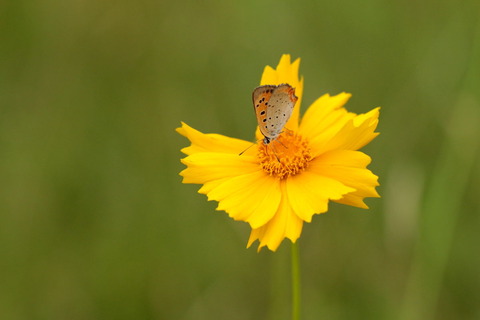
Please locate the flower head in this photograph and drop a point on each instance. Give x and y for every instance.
(276, 187)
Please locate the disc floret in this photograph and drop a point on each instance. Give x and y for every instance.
(285, 156)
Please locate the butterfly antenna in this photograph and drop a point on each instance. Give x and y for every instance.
(281, 143)
(246, 149)
(254, 143)
(288, 131)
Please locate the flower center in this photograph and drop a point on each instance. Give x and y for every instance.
(285, 156)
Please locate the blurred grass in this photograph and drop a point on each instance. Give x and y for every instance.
(95, 224)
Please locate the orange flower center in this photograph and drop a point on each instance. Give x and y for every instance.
(285, 156)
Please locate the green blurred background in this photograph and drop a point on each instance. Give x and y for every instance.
(94, 220)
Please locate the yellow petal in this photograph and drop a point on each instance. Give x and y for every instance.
(211, 142)
(354, 200)
(354, 134)
(285, 72)
(343, 158)
(366, 124)
(349, 168)
(325, 114)
(252, 197)
(309, 193)
(208, 166)
(285, 224)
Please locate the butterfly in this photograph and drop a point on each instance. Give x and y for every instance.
(273, 107)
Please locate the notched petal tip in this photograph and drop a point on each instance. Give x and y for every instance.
(183, 128)
(370, 117)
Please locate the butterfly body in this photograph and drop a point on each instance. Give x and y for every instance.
(273, 107)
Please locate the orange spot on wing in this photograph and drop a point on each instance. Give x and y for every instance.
(261, 105)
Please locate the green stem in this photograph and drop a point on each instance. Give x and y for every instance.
(295, 282)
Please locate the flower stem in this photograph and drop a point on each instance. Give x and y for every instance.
(295, 282)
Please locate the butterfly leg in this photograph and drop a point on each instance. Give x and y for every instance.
(275, 151)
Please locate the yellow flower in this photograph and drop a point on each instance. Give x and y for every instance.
(277, 187)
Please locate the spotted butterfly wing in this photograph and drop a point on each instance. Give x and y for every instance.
(273, 107)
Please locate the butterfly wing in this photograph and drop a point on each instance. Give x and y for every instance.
(273, 107)
(280, 107)
(261, 97)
